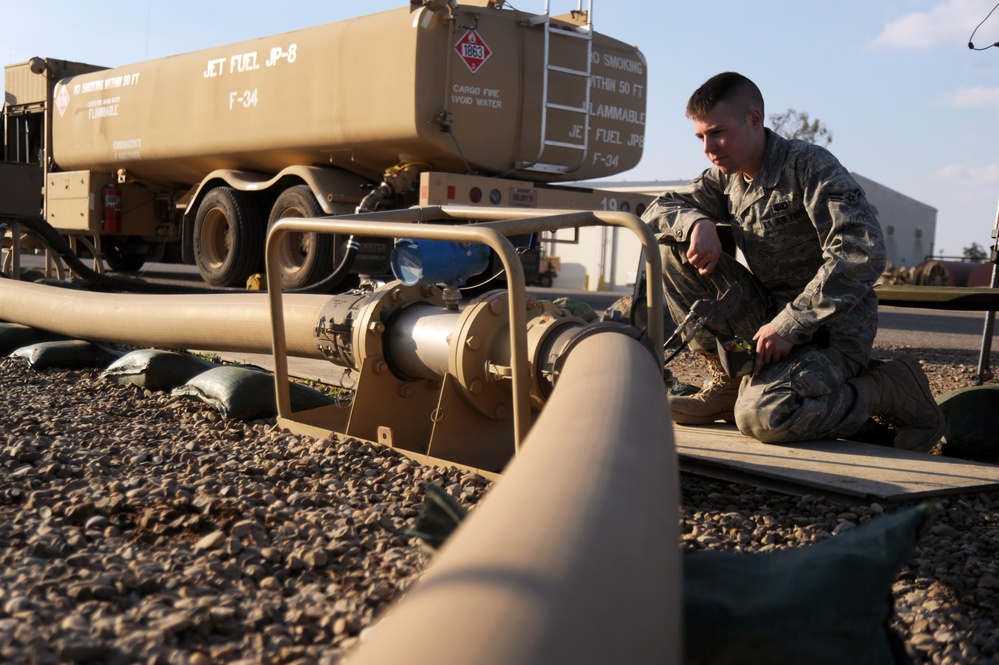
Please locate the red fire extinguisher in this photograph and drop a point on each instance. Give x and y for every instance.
(112, 208)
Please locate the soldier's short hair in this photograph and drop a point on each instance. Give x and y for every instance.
(728, 87)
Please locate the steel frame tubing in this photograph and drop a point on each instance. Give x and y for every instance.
(495, 224)
(475, 234)
(515, 221)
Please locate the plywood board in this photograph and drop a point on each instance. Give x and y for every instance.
(842, 469)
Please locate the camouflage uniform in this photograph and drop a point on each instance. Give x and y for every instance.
(815, 250)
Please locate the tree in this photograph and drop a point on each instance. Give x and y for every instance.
(975, 253)
(797, 125)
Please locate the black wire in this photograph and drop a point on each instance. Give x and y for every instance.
(971, 44)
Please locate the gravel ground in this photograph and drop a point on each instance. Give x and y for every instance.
(143, 528)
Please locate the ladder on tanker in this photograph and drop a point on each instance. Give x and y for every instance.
(552, 73)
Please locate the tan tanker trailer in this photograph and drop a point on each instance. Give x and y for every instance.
(210, 148)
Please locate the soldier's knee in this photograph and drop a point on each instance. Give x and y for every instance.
(758, 425)
(765, 415)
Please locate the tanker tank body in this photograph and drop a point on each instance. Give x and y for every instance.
(298, 124)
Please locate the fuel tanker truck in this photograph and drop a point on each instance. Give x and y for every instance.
(433, 103)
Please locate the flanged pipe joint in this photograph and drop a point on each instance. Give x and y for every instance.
(410, 332)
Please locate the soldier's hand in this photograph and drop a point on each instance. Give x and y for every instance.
(770, 346)
(705, 246)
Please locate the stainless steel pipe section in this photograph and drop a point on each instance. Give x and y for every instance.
(222, 322)
(418, 341)
(574, 555)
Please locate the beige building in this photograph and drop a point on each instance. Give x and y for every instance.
(909, 226)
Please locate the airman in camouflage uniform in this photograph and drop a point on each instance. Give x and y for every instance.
(814, 250)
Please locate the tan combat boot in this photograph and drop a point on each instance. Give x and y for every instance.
(715, 401)
(900, 388)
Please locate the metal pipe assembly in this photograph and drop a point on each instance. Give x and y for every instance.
(484, 389)
(579, 565)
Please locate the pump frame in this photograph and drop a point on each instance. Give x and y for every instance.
(490, 227)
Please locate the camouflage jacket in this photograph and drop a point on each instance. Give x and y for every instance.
(807, 232)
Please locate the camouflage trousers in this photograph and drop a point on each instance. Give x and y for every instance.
(805, 396)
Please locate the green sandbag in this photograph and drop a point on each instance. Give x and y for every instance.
(971, 423)
(13, 336)
(66, 354)
(31, 275)
(828, 603)
(439, 516)
(576, 308)
(62, 283)
(242, 393)
(156, 369)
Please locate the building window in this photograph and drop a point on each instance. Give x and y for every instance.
(891, 230)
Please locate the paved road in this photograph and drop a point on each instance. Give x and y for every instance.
(931, 328)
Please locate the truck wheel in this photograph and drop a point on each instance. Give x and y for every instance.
(123, 254)
(228, 237)
(303, 258)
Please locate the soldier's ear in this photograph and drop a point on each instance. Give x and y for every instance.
(755, 118)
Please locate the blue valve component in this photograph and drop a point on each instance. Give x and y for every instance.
(436, 261)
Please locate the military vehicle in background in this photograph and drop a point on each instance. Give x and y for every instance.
(433, 103)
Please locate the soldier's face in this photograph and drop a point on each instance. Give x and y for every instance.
(733, 141)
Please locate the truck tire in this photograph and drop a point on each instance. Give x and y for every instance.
(123, 254)
(228, 237)
(303, 258)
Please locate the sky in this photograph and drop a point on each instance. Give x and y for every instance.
(908, 103)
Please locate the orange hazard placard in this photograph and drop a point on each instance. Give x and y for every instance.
(473, 50)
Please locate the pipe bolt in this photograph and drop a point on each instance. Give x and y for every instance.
(502, 411)
(497, 307)
(396, 295)
(476, 386)
(404, 390)
(379, 367)
(376, 327)
(473, 343)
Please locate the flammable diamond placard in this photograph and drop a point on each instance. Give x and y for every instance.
(473, 50)
(62, 100)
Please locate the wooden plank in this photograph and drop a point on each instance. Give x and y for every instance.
(843, 469)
